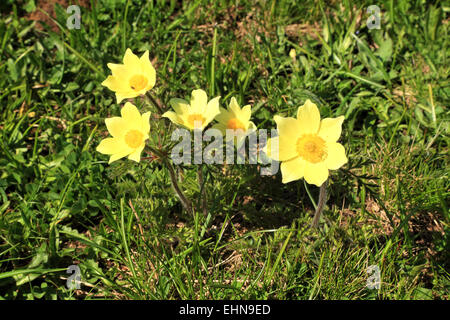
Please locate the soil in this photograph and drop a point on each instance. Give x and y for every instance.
(49, 7)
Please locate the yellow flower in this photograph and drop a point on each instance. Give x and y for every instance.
(132, 78)
(307, 146)
(292, 54)
(129, 134)
(196, 115)
(235, 119)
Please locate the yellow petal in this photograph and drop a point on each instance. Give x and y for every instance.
(336, 157)
(331, 128)
(146, 122)
(114, 67)
(234, 107)
(131, 115)
(199, 100)
(113, 84)
(173, 117)
(116, 126)
(224, 116)
(283, 149)
(119, 97)
(316, 173)
(125, 95)
(221, 127)
(119, 71)
(112, 146)
(145, 57)
(212, 110)
(251, 127)
(246, 112)
(131, 61)
(148, 70)
(293, 169)
(136, 154)
(288, 128)
(117, 156)
(179, 105)
(308, 116)
(243, 119)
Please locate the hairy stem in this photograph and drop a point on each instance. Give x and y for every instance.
(155, 103)
(320, 204)
(184, 201)
(202, 189)
(173, 178)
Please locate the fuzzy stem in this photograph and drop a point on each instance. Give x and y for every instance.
(155, 103)
(320, 205)
(184, 201)
(202, 189)
(173, 178)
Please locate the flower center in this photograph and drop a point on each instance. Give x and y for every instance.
(235, 124)
(311, 148)
(138, 82)
(196, 120)
(133, 138)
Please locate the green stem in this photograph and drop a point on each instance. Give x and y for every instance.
(184, 201)
(155, 103)
(173, 178)
(320, 205)
(213, 60)
(202, 189)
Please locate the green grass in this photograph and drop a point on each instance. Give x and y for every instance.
(62, 204)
